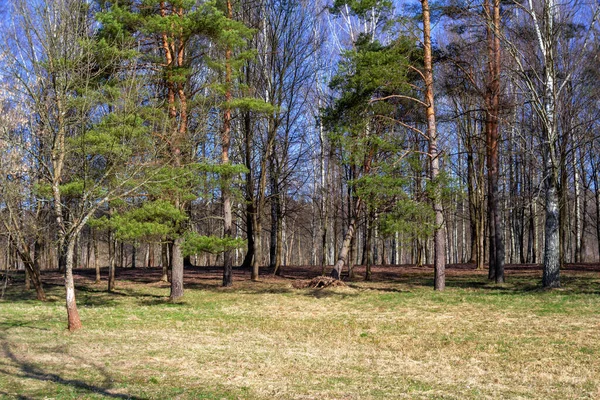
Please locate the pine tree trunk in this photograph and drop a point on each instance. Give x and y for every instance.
(225, 143)
(439, 237)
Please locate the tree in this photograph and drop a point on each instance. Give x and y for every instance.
(87, 155)
(433, 152)
(545, 81)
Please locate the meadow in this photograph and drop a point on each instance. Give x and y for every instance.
(393, 337)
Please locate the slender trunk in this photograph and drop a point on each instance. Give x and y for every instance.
(275, 222)
(323, 199)
(336, 272)
(257, 248)
(563, 208)
(151, 257)
(225, 143)
(111, 263)
(595, 177)
(164, 262)
(578, 222)
(74, 322)
(249, 184)
(32, 271)
(133, 255)
(439, 237)
(368, 247)
(492, 98)
(279, 239)
(35, 271)
(122, 255)
(260, 198)
(95, 250)
(147, 256)
(597, 196)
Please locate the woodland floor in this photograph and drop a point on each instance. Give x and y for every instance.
(393, 337)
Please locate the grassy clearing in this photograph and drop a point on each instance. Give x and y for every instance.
(395, 339)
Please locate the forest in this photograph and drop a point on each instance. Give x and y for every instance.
(291, 152)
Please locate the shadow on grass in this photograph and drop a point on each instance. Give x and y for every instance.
(18, 397)
(521, 279)
(28, 370)
(10, 324)
(368, 287)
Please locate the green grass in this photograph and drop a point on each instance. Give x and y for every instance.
(268, 340)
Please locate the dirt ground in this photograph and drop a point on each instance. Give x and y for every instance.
(211, 275)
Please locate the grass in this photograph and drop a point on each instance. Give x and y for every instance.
(390, 339)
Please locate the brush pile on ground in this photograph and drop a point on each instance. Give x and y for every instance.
(320, 282)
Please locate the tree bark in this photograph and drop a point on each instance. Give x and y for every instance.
(95, 253)
(112, 261)
(492, 100)
(225, 144)
(176, 270)
(165, 262)
(74, 322)
(336, 272)
(433, 153)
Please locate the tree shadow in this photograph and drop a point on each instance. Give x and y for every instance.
(10, 324)
(28, 370)
(163, 301)
(377, 288)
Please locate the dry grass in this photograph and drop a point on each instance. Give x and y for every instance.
(394, 338)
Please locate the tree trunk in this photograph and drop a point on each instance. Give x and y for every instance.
(275, 245)
(32, 268)
(248, 258)
(368, 247)
(578, 222)
(165, 262)
(133, 255)
(439, 237)
(112, 249)
(551, 277)
(225, 144)
(95, 253)
(176, 270)
(336, 272)
(257, 248)
(147, 256)
(597, 196)
(279, 239)
(74, 322)
(492, 104)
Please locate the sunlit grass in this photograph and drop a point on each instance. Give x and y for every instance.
(269, 340)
